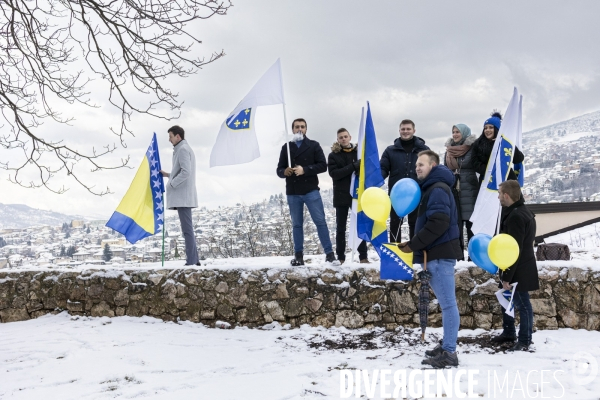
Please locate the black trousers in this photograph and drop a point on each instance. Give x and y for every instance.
(395, 235)
(341, 219)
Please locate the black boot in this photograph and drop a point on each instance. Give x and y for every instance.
(330, 258)
(503, 338)
(298, 259)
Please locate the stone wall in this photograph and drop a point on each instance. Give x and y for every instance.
(569, 296)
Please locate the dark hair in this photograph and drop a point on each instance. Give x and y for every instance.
(299, 120)
(406, 122)
(495, 131)
(177, 130)
(433, 156)
(512, 189)
(343, 130)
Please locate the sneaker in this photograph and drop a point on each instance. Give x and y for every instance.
(519, 347)
(442, 360)
(365, 261)
(330, 258)
(298, 259)
(502, 338)
(437, 350)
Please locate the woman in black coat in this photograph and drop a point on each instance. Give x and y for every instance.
(459, 159)
(482, 148)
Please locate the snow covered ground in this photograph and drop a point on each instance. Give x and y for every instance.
(64, 357)
(584, 242)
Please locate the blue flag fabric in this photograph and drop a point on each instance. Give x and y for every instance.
(395, 264)
(506, 155)
(141, 211)
(370, 176)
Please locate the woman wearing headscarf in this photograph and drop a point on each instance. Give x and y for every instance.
(459, 159)
(482, 148)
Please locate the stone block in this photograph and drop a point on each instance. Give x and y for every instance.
(483, 320)
(102, 309)
(294, 308)
(591, 298)
(544, 322)
(571, 319)
(402, 303)
(349, 319)
(14, 314)
(463, 280)
(281, 292)
(222, 287)
(75, 306)
(467, 322)
(578, 274)
(545, 307)
(272, 309)
(326, 320)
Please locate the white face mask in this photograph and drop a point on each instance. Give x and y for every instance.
(297, 137)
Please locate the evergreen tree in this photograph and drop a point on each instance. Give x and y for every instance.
(176, 251)
(108, 255)
(2, 242)
(63, 251)
(88, 230)
(71, 250)
(67, 235)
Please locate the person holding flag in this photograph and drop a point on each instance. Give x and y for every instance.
(483, 146)
(518, 222)
(181, 190)
(300, 168)
(342, 162)
(436, 244)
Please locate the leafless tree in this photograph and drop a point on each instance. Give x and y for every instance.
(50, 51)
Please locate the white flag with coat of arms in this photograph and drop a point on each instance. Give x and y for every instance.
(236, 142)
(487, 207)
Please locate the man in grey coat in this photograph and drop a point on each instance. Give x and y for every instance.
(181, 190)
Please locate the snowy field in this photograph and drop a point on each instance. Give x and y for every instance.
(64, 357)
(584, 242)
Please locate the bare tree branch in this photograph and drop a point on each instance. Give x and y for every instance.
(51, 50)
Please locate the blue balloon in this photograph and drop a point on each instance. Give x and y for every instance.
(405, 196)
(478, 251)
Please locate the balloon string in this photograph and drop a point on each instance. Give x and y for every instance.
(398, 231)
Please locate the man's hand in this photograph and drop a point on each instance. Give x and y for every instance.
(506, 285)
(405, 248)
(299, 170)
(165, 174)
(288, 171)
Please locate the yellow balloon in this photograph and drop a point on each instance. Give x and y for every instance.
(376, 203)
(503, 250)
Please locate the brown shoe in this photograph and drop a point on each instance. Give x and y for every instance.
(341, 261)
(365, 261)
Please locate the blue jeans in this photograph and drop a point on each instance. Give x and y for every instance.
(523, 304)
(442, 283)
(314, 203)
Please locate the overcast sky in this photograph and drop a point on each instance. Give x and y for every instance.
(438, 63)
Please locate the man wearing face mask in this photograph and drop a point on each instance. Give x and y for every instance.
(302, 187)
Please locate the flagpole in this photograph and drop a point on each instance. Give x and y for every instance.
(287, 132)
(163, 246)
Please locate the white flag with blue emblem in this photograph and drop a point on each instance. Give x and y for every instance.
(237, 142)
(487, 207)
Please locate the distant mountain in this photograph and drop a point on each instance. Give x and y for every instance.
(587, 123)
(14, 216)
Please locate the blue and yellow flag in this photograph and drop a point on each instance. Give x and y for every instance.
(141, 212)
(370, 176)
(395, 264)
(501, 168)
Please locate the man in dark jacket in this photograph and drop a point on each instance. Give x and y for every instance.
(398, 161)
(341, 163)
(436, 240)
(302, 187)
(518, 222)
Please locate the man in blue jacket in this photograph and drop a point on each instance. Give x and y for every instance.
(302, 187)
(398, 161)
(436, 241)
